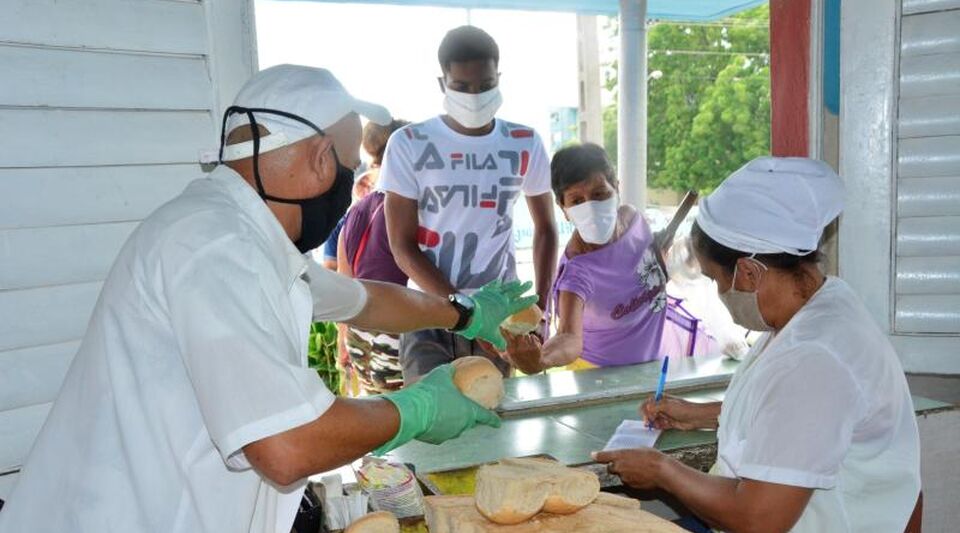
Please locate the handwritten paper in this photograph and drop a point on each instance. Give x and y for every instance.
(632, 434)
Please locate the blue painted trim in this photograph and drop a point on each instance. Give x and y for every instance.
(682, 10)
(831, 56)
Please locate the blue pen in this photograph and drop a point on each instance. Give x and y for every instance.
(663, 381)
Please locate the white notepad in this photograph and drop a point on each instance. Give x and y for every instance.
(632, 434)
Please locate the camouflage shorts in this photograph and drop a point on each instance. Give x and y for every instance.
(374, 358)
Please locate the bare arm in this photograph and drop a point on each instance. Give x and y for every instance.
(567, 345)
(343, 267)
(544, 244)
(395, 309)
(403, 222)
(348, 430)
(736, 505)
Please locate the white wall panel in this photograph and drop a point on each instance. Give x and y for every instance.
(928, 197)
(929, 75)
(18, 430)
(928, 313)
(933, 33)
(46, 315)
(148, 25)
(923, 6)
(927, 263)
(932, 116)
(928, 275)
(929, 156)
(928, 236)
(68, 78)
(104, 108)
(74, 138)
(37, 197)
(7, 482)
(32, 376)
(70, 254)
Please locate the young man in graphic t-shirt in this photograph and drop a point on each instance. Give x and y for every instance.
(451, 183)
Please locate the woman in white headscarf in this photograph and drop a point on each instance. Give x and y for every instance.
(817, 431)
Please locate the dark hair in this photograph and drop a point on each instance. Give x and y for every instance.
(577, 163)
(375, 138)
(727, 257)
(467, 43)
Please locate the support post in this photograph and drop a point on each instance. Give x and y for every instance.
(632, 108)
(588, 59)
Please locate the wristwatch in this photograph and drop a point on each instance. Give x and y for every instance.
(464, 305)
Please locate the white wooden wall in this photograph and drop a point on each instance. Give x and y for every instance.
(900, 158)
(104, 107)
(928, 171)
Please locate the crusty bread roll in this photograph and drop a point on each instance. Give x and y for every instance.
(514, 490)
(479, 379)
(458, 514)
(523, 322)
(379, 522)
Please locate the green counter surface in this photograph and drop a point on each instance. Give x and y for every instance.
(573, 429)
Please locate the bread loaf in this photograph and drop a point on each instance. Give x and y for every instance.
(379, 522)
(458, 514)
(479, 379)
(524, 321)
(514, 490)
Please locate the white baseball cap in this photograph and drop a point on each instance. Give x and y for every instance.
(307, 92)
(773, 205)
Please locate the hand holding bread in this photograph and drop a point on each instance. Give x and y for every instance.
(479, 379)
(493, 304)
(435, 410)
(524, 352)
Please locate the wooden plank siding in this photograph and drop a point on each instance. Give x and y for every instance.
(104, 108)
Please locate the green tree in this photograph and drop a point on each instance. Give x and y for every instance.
(710, 111)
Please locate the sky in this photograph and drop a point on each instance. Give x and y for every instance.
(388, 54)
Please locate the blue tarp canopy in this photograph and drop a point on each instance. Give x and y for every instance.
(687, 10)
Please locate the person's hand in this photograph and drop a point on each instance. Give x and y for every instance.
(492, 305)
(492, 350)
(523, 352)
(434, 410)
(670, 413)
(638, 468)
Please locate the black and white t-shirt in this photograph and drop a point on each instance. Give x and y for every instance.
(466, 188)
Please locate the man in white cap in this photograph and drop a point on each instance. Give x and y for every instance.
(189, 406)
(816, 431)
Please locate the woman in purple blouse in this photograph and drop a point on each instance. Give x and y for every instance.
(610, 294)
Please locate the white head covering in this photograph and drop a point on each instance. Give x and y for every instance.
(773, 205)
(311, 93)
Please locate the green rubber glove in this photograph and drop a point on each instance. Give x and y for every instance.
(492, 305)
(434, 410)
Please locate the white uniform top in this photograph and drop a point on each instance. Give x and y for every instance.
(196, 348)
(824, 404)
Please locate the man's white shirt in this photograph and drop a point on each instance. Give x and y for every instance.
(196, 348)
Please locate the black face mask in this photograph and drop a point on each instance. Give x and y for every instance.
(318, 215)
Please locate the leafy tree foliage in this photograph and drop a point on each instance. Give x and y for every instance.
(709, 112)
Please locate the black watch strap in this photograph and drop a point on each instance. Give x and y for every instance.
(466, 312)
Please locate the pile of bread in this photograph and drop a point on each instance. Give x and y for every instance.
(538, 496)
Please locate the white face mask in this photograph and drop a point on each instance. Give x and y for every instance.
(595, 220)
(472, 110)
(743, 305)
